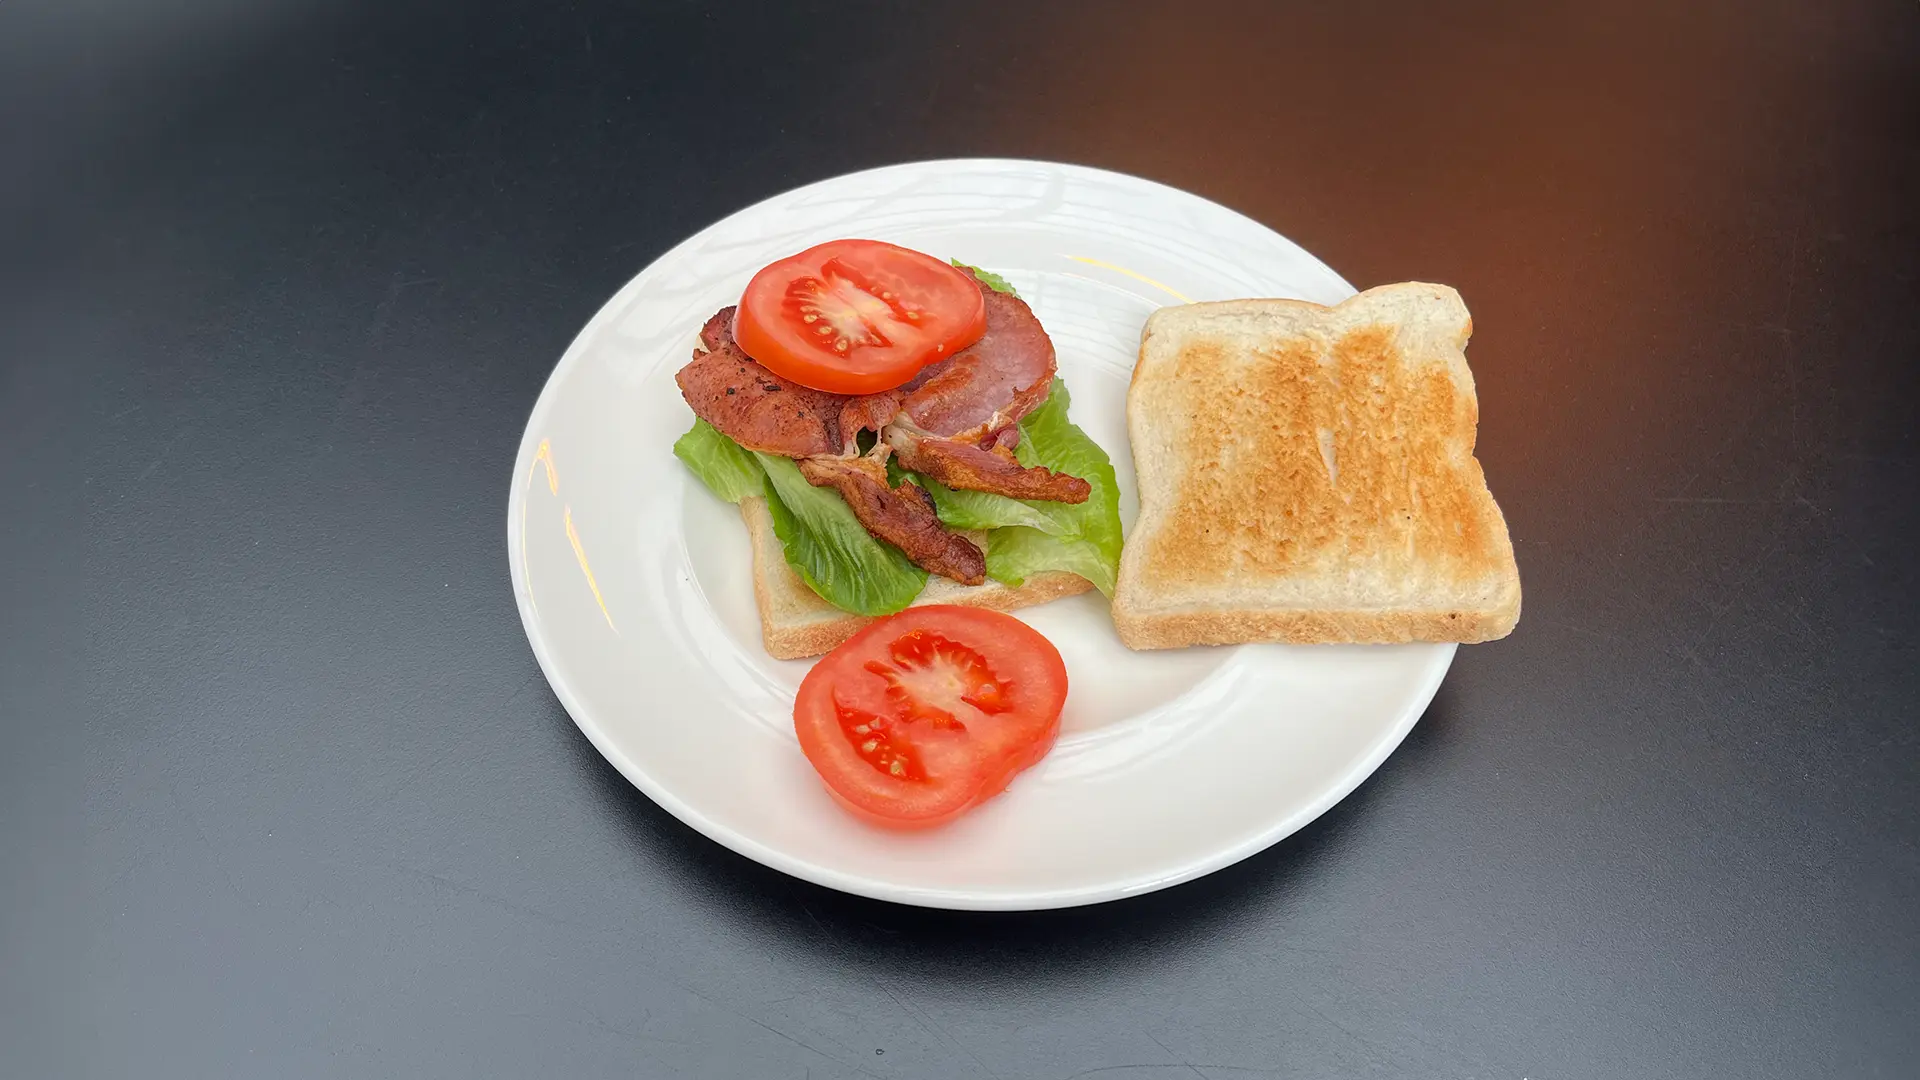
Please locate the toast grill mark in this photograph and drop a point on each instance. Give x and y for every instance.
(1334, 453)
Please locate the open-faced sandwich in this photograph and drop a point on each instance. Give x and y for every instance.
(894, 433)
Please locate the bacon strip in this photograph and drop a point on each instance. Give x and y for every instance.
(989, 385)
(958, 422)
(901, 516)
(734, 394)
(971, 468)
(758, 409)
(717, 333)
(869, 412)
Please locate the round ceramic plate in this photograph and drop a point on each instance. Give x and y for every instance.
(635, 587)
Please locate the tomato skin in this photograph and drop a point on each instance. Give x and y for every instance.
(857, 316)
(888, 719)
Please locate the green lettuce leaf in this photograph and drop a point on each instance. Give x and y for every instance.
(727, 469)
(1016, 553)
(988, 278)
(833, 552)
(1081, 538)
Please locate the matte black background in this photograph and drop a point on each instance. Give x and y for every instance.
(282, 793)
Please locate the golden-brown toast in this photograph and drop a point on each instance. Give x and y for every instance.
(1306, 475)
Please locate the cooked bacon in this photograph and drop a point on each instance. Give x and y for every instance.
(978, 394)
(901, 516)
(718, 331)
(955, 422)
(989, 385)
(735, 395)
(868, 412)
(758, 409)
(971, 468)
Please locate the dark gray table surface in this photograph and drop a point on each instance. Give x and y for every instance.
(282, 793)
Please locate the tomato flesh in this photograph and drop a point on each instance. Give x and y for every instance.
(857, 316)
(924, 715)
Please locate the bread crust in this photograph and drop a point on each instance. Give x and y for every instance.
(1177, 630)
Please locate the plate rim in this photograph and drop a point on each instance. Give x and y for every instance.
(916, 896)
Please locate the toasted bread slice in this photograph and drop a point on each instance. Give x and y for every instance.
(795, 622)
(1306, 475)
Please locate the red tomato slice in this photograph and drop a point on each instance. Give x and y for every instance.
(857, 316)
(922, 716)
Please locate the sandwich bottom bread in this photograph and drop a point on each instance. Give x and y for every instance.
(796, 623)
(1306, 475)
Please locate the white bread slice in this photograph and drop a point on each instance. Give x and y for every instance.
(1306, 475)
(795, 622)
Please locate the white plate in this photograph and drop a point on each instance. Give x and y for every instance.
(634, 586)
